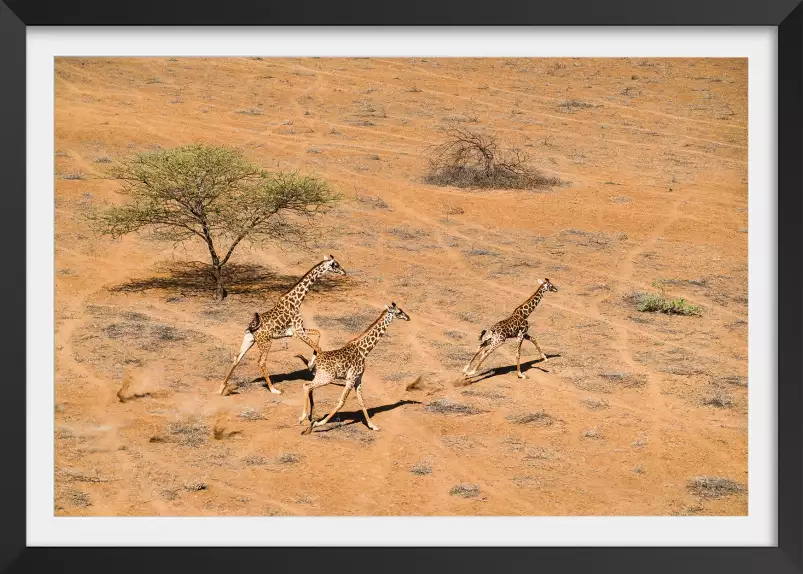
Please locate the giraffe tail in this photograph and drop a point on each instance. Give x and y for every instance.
(309, 363)
(482, 333)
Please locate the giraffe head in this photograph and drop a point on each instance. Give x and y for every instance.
(547, 285)
(331, 265)
(396, 312)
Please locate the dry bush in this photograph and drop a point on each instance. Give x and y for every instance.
(471, 159)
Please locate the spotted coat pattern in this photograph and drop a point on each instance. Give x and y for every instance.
(513, 327)
(283, 320)
(347, 363)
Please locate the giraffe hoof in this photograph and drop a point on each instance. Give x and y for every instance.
(276, 391)
(545, 358)
(373, 426)
(522, 376)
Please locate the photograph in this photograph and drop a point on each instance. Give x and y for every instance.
(392, 286)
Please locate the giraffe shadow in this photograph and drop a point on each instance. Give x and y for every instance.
(299, 375)
(512, 369)
(347, 418)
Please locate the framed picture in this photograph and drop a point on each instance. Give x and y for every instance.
(444, 296)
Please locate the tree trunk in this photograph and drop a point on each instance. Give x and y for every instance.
(220, 291)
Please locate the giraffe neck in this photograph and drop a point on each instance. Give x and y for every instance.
(368, 340)
(530, 304)
(297, 293)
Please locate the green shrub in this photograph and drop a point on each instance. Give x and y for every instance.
(652, 302)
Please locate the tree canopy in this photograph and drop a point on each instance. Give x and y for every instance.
(216, 195)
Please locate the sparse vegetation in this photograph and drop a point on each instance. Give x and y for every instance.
(571, 106)
(195, 485)
(251, 414)
(538, 417)
(714, 487)
(189, 432)
(471, 159)
(465, 490)
(652, 303)
(288, 458)
(717, 399)
(251, 112)
(216, 195)
(421, 469)
(447, 407)
(596, 404)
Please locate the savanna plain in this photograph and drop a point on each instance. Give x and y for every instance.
(636, 412)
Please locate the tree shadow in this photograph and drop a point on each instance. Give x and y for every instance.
(346, 418)
(192, 278)
(512, 369)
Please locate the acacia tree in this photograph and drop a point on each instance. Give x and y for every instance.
(216, 195)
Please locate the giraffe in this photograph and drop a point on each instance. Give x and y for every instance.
(283, 320)
(347, 362)
(515, 326)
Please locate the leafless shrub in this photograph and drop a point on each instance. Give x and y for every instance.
(470, 159)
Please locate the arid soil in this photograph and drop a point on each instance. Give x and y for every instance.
(630, 407)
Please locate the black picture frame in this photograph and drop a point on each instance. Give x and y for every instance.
(787, 15)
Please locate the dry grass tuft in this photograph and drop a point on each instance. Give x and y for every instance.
(447, 407)
(465, 490)
(714, 487)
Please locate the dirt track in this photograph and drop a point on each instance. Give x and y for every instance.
(634, 404)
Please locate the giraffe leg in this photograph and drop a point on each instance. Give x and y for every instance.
(466, 368)
(248, 342)
(537, 348)
(338, 406)
(321, 379)
(485, 355)
(305, 335)
(358, 389)
(518, 359)
(263, 366)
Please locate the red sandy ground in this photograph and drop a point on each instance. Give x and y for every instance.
(636, 404)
